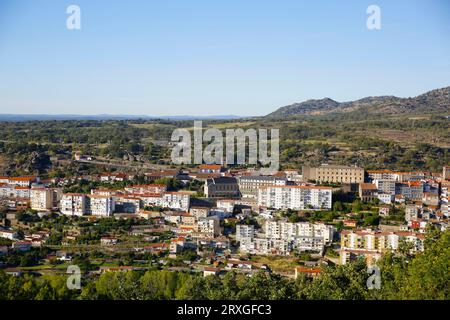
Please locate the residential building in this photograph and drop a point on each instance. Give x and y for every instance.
(412, 190)
(295, 197)
(209, 227)
(102, 206)
(370, 244)
(73, 204)
(244, 231)
(8, 234)
(199, 212)
(386, 186)
(411, 212)
(176, 200)
(146, 188)
(24, 181)
(41, 199)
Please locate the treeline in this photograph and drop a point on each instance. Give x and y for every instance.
(403, 276)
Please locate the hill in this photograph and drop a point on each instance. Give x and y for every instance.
(435, 102)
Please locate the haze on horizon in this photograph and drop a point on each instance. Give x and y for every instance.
(207, 58)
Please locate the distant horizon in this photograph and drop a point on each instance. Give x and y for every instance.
(199, 116)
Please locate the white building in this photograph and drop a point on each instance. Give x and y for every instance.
(41, 199)
(244, 231)
(73, 204)
(8, 234)
(100, 206)
(209, 227)
(176, 200)
(385, 198)
(295, 197)
(283, 237)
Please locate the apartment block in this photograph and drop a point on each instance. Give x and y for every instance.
(295, 197)
(146, 188)
(209, 227)
(176, 200)
(244, 231)
(102, 206)
(370, 244)
(73, 204)
(41, 199)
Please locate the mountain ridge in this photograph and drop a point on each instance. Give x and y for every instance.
(434, 101)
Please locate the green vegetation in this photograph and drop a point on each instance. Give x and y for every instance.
(423, 276)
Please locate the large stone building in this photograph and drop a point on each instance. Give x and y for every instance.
(332, 173)
(223, 187)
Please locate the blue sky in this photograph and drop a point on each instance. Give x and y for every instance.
(205, 57)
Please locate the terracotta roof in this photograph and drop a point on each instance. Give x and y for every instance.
(210, 166)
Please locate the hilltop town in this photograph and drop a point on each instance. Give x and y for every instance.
(214, 219)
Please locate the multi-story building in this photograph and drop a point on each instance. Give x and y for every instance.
(265, 246)
(386, 186)
(127, 204)
(199, 212)
(223, 187)
(24, 181)
(21, 192)
(226, 205)
(383, 175)
(249, 185)
(446, 173)
(291, 231)
(445, 198)
(295, 197)
(372, 244)
(146, 188)
(385, 198)
(173, 200)
(102, 206)
(41, 199)
(282, 237)
(411, 212)
(208, 227)
(367, 192)
(412, 190)
(176, 200)
(73, 204)
(332, 173)
(244, 231)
